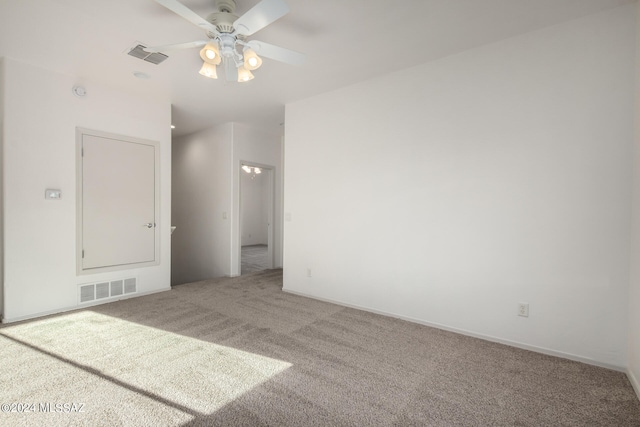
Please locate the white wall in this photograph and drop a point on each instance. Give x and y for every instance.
(449, 192)
(40, 119)
(634, 290)
(201, 200)
(253, 208)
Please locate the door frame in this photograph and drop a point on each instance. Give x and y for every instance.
(237, 261)
(80, 132)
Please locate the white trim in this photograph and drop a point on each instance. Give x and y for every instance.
(516, 344)
(81, 307)
(634, 382)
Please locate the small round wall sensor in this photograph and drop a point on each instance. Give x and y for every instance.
(141, 75)
(79, 91)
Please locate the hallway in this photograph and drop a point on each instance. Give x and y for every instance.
(254, 258)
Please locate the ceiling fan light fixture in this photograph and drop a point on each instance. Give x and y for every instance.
(251, 59)
(244, 75)
(210, 54)
(208, 70)
(227, 38)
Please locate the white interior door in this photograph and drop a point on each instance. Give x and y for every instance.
(118, 202)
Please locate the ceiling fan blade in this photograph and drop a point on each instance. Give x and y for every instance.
(259, 16)
(183, 11)
(276, 52)
(154, 49)
(230, 70)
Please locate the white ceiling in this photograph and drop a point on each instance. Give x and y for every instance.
(346, 41)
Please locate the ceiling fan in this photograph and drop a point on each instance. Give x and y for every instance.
(227, 38)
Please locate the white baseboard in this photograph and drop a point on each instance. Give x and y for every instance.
(634, 382)
(79, 307)
(516, 344)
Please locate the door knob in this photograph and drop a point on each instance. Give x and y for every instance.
(148, 225)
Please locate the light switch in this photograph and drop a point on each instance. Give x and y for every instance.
(52, 194)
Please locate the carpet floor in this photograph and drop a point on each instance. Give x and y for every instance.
(253, 258)
(240, 352)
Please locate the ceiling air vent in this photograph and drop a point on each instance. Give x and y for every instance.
(154, 58)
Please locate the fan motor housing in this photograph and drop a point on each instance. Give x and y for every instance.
(228, 6)
(223, 21)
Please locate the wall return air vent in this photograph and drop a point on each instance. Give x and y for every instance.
(107, 289)
(154, 58)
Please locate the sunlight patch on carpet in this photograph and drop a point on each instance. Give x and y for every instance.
(156, 367)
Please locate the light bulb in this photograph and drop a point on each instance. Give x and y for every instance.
(246, 168)
(251, 60)
(210, 53)
(257, 170)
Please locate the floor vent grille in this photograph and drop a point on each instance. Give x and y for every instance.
(87, 293)
(104, 290)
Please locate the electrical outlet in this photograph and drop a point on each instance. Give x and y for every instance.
(308, 272)
(523, 309)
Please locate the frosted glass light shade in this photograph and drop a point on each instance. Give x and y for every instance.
(251, 60)
(244, 75)
(210, 54)
(209, 70)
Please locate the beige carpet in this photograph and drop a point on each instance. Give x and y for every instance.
(241, 352)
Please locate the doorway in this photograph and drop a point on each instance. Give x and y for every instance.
(256, 217)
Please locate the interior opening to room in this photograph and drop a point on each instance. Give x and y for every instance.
(256, 217)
